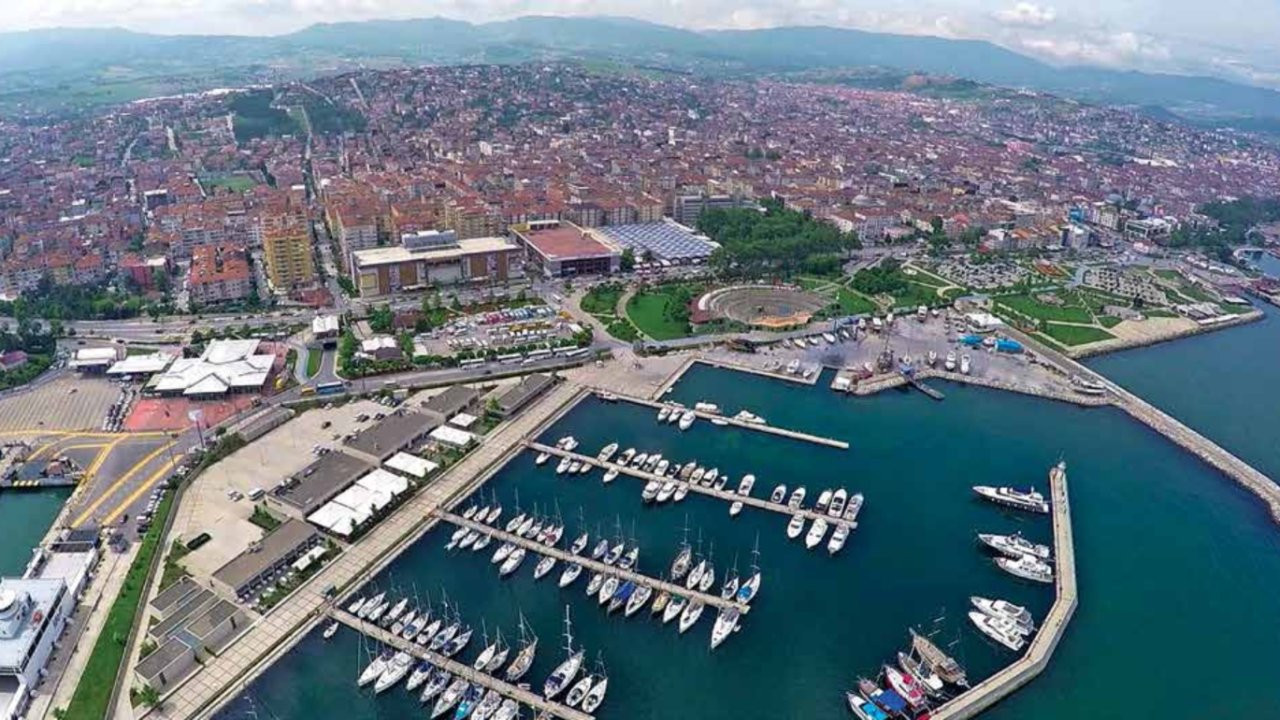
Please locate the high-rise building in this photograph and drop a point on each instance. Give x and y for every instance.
(286, 246)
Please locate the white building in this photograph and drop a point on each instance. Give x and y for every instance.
(226, 366)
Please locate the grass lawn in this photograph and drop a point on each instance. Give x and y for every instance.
(623, 330)
(602, 299)
(924, 277)
(648, 311)
(1037, 310)
(1076, 334)
(1109, 321)
(314, 358)
(234, 183)
(852, 303)
(916, 295)
(1169, 274)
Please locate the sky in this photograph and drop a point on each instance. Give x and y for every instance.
(1237, 39)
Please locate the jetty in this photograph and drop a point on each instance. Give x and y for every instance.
(593, 565)
(727, 420)
(998, 686)
(726, 495)
(521, 695)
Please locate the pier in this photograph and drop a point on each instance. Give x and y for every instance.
(783, 432)
(593, 565)
(998, 686)
(526, 697)
(726, 495)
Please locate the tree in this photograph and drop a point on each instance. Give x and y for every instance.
(149, 696)
(628, 261)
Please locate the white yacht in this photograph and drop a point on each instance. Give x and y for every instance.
(682, 491)
(626, 456)
(965, 364)
(331, 630)
(817, 531)
(567, 670)
(666, 491)
(686, 420)
(542, 458)
(1015, 546)
(796, 526)
(651, 490)
(735, 509)
(824, 501)
(999, 629)
(374, 669)
(661, 467)
(853, 508)
(950, 362)
(1027, 567)
(512, 563)
(609, 475)
(569, 443)
(663, 413)
(690, 615)
(606, 453)
(726, 623)
(544, 566)
(838, 538)
(839, 499)
(1028, 499)
(563, 467)
(779, 494)
(1018, 615)
(797, 498)
(748, 482)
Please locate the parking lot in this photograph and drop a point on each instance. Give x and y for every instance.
(218, 501)
(68, 403)
(498, 330)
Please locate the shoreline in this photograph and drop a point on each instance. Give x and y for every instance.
(1105, 347)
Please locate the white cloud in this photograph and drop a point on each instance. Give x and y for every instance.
(1117, 49)
(1026, 14)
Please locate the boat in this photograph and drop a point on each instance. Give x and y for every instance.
(481, 542)
(666, 491)
(862, 708)
(673, 609)
(637, 600)
(570, 573)
(499, 655)
(1027, 567)
(569, 443)
(542, 458)
(824, 501)
(1015, 546)
(651, 490)
(470, 697)
(817, 531)
(1019, 499)
(564, 464)
(735, 508)
(853, 508)
(831, 339)
(553, 534)
(950, 362)
(429, 632)
(397, 669)
(839, 499)
(694, 578)
(965, 364)
(749, 417)
(436, 683)
(933, 358)
(509, 710)
(544, 566)
(375, 617)
(706, 407)
(471, 511)
(606, 453)
(677, 413)
(487, 706)
(660, 602)
(748, 588)
(468, 539)
(838, 538)
(708, 574)
(714, 477)
(445, 636)
(626, 456)
(450, 697)
(575, 467)
(661, 467)
(726, 623)
(927, 678)
(512, 563)
(600, 549)
(579, 691)
(682, 491)
(331, 630)
(795, 527)
(420, 674)
(502, 552)
(610, 475)
(413, 629)
(355, 607)
(905, 685)
(779, 494)
(730, 587)
(568, 668)
(524, 658)
(614, 553)
(744, 486)
(797, 498)
(375, 668)
(585, 467)
(686, 420)
(368, 607)
(1002, 630)
(696, 476)
(599, 686)
(939, 662)
(579, 544)
(455, 646)
(1020, 616)
(495, 512)
(793, 367)
(690, 615)
(607, 589)
(536, 528)
(638, 460)
(628, 560)
(680, 565)
(663, 413)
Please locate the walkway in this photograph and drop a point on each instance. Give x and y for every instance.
(772, 430)
(518, 694)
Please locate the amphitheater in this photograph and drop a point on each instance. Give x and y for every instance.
(768, 306)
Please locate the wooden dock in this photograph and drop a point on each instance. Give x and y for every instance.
(726, 495)
(730, 421)
(520, 695)
(990, 691)
(587, 563)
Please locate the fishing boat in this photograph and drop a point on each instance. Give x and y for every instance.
(726, 623)
(375, 668)
(599, 686)
(1002, 630)
(1027, 568)
(673, 609)
(839, 499)
(744, 486)
(939, 662)
(396, 671)
(779, 494)
(862, 708)
(524, 657)
(824, 501)
(544, 566)
(331, 630)
(570, 573)
(606, 453)
(795, 527)
(1015, 546)
(512, 563)
(686, 420)
(1018, 615)
(637, 600)
(905, 685)
(579, 691)
(436, 683)
(853, 508)
(797, 498)
(610, 475)
(690, 615)
(838, 538)
(735, 508)
(817, 531)
(1019, 499)
(568, 668)
(450, 697)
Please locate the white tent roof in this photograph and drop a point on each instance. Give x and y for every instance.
(452, 436)
(142, 364)
(359, 498)
(381, 481)
(225, 364)
(411, 465)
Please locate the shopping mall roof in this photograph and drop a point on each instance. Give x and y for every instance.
(666, 240)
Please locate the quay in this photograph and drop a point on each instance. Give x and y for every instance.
(521, 695)
(593, 565)
(931, 392)
(783, 432)
(726, 495)
(990, 691)
(725, 365)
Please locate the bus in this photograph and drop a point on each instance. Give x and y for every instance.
(577, 353)
(329, 388)
(472, 362)
(535, 354)
(509, 358)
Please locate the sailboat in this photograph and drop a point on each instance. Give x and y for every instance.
(748, 588)
(524, 658)
(726, 623)
(567, 670)
(731, 580)
(680, 565)
(599, 685)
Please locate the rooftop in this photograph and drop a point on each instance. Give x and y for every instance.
(20, 600)
(666, 240)
(391, 434)
(318, 482)
(400, 254)
(274, 547)
(565, 242)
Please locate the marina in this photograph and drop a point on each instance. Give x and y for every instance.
(735, 422)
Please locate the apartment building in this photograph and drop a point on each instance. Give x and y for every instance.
(219, 273)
